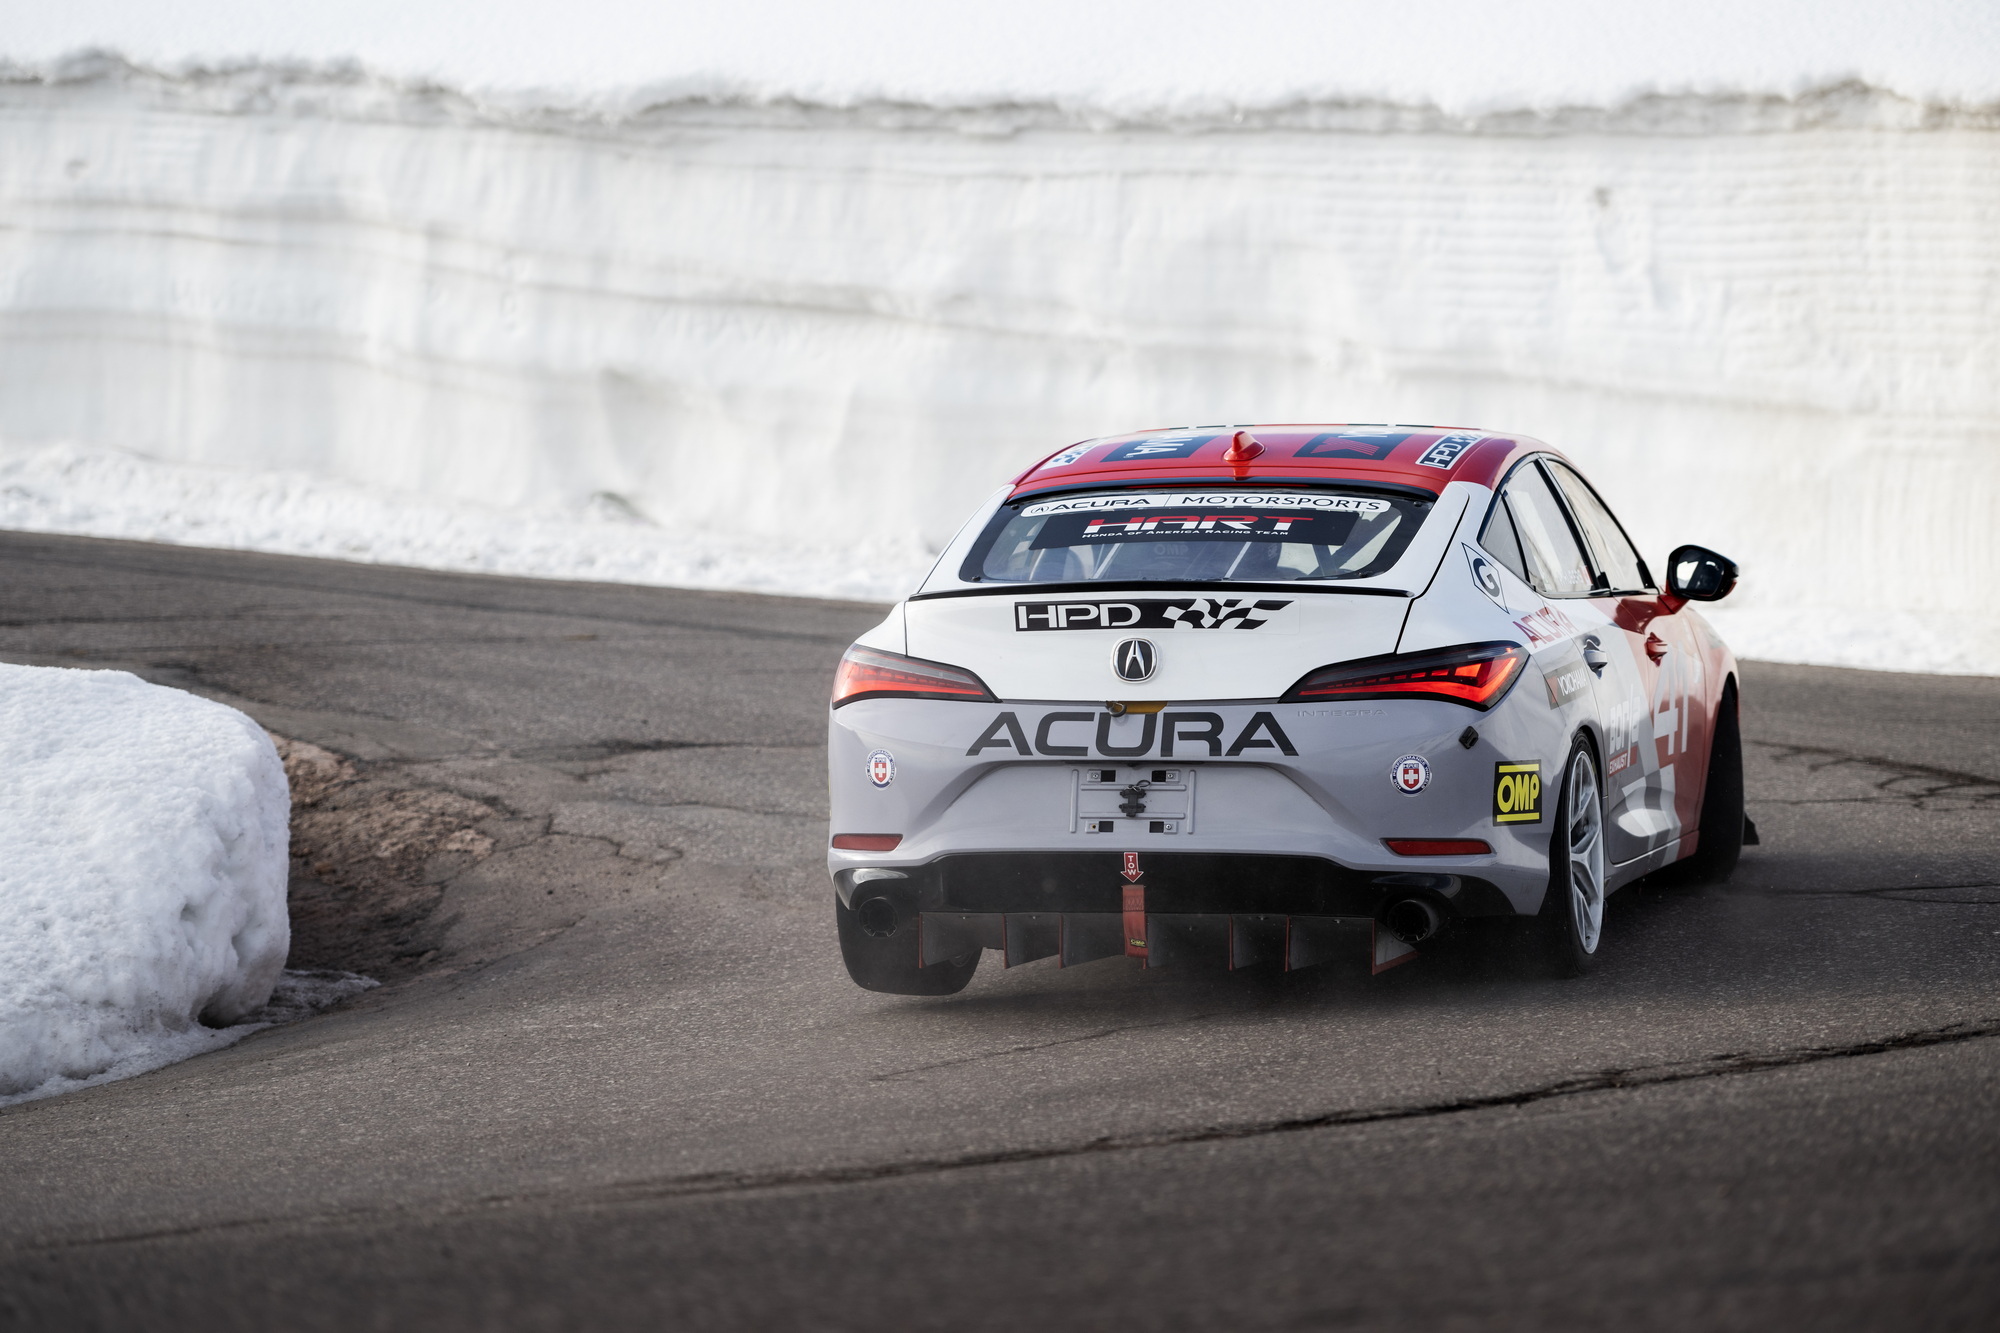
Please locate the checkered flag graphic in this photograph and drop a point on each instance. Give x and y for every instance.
(1230, 613)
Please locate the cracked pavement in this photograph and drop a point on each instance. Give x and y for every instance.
(617, 1076)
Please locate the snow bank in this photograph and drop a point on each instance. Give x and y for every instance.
(142, 894)
(1117, 57)
(799, 339)
(64, 488)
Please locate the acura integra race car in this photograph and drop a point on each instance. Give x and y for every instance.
(1277, 696)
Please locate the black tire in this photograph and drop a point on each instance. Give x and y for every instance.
(878, 942)
(1722, 821)
(1571, 923)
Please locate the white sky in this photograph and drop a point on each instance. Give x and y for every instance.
(1461, 54)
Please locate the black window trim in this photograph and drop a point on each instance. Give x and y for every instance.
(1645, 570)
(1499, 506)
(1549, 479)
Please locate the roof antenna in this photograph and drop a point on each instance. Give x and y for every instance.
(1241, 450)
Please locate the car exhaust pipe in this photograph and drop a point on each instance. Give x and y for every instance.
(877, 917)
(1412, 920)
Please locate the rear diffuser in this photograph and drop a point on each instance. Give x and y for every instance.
(1164, 939)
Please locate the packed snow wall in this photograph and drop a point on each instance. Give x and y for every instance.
(1772, 326)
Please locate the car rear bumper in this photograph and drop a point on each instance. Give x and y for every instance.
(1164, 907)
(1184, 883)
(1305, 814)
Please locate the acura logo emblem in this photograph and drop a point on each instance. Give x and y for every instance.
(1135, 659)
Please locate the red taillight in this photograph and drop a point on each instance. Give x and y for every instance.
(1437, 846)
(866, 842)
(870, 673)
(1474, 674)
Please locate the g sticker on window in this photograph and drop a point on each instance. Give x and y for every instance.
(1517, 793)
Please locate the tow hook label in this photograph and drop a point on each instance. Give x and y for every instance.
(1517, 793)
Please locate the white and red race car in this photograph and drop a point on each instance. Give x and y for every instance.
(1276, 696)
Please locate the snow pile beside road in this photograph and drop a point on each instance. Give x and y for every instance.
(142, 888)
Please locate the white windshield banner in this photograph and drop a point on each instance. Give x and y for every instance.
(1238, 499)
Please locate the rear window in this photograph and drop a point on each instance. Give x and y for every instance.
(1193, 536)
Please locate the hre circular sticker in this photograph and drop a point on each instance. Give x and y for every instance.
(881, 768)
(1411, 774)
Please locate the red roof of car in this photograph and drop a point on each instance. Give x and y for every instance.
(1426, 457)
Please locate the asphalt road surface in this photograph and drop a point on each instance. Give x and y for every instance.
(617, 1077)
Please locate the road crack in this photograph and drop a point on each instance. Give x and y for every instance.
(727, 1183)
(1985, 893)
(1905, 784)
(896, 1075)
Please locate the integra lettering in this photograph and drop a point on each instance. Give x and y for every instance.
(1157, 613)
(1073, 734)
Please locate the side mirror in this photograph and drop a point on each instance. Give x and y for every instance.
(1699, 574)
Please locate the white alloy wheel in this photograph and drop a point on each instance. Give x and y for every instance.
(1583, 831)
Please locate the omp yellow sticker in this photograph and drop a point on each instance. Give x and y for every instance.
(1517, 793)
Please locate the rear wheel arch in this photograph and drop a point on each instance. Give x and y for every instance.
(1590, 734)
(1722, 825)
(1726, 700)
